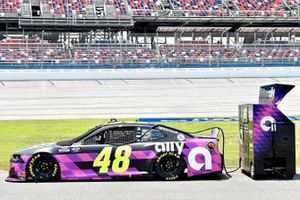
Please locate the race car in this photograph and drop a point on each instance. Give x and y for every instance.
(120, 150)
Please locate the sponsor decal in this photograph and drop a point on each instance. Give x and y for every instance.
(194, 164)
(268, 123)
(169, 147)
(75, 149)
(120, 163)
(180, 137)
(64, 150)
(33, 159)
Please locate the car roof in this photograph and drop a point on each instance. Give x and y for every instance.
(116, 124)
(130, 124)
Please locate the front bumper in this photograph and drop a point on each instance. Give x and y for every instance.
(17, 170)
(16, 173)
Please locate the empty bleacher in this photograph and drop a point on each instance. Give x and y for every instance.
(20, 51)
(10, 8)
(260, 7)
(109, 55)
(35, 51)
(189, 8)
(117, 8)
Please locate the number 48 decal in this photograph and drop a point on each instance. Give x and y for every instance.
(120, 163)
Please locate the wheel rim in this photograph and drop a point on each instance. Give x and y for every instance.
(43, 168)
(169, 166)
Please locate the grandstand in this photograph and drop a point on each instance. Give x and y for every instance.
(148, 33)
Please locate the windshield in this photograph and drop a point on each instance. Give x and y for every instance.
(72, 141)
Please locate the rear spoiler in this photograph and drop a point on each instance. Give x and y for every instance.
(273, 94)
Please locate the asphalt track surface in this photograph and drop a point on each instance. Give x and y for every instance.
(143, 98)
(136, 98)
(239, 187)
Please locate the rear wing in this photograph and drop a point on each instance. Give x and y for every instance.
(273, 94)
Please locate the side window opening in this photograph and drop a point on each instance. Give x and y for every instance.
(96, 139)
(152, 135)
(114, 135)
(120, 135)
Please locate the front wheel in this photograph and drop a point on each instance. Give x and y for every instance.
(169, 166)
(43, 168)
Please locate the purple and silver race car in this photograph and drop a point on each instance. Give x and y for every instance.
(117, 150)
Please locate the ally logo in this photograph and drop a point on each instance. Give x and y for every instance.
(194, 164)
(268, 123)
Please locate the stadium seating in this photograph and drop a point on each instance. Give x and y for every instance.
(197, 7)
(120, 7)
(9, 7)
(64, 8)
(144, 7)
(114, 55)
(185, 8)
(31, 51)
(19, 51)
(260, 7)
(215, 54)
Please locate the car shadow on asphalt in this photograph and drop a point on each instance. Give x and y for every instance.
(214, 177)
(209, 177)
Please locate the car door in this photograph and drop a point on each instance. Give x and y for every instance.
(77, 162)
(112, 151)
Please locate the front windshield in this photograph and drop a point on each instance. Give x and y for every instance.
(72, 141)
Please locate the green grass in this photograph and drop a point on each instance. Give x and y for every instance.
(17, 134)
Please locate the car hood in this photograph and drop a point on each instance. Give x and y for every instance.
(37, 148)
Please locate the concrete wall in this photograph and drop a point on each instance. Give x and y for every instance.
(173, 73)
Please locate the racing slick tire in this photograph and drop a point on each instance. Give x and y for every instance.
(43, 168)
(169, 166)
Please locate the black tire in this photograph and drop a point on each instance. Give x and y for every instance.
(43, 168)
(169, 166)
(290, 176)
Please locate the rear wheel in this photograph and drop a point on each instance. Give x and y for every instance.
(169, 166)
(43, 167)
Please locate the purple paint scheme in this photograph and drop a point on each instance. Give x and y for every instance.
(267, 136)
(18, 170)
(71, 171)
(262, 139)
(76, 159)
(273, 94)
(216, 157)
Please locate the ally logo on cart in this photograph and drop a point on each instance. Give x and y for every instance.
(268, 123)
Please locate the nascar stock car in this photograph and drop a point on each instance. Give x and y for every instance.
(116, 150)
